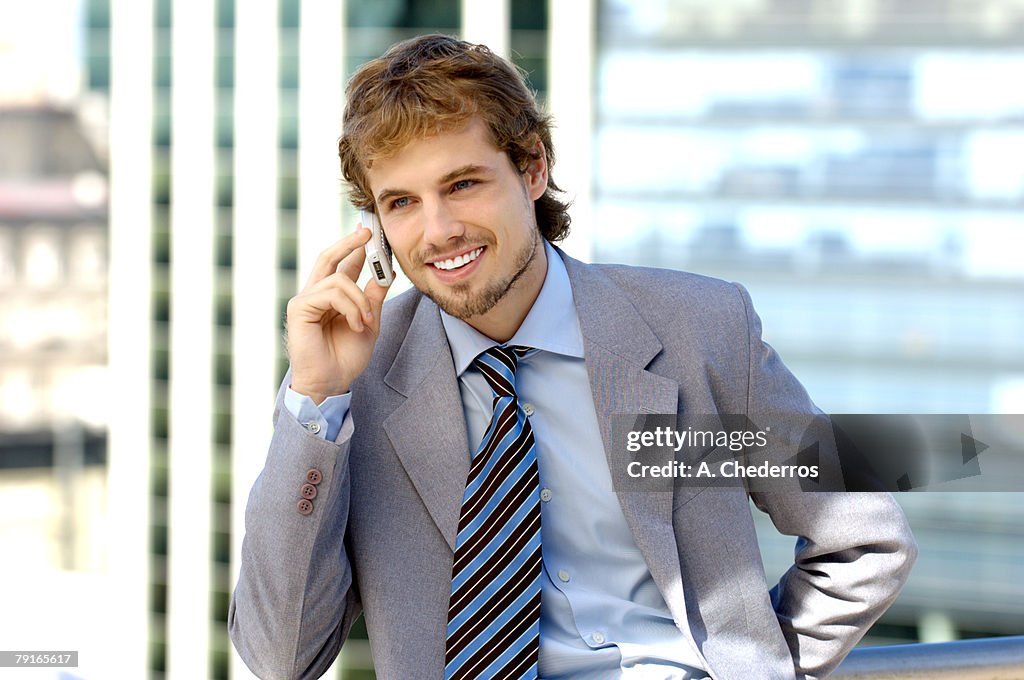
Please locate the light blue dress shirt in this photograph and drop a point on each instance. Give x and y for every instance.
(601, 613)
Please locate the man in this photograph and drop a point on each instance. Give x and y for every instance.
(502, 370)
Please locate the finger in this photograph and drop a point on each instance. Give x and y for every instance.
(375, 294)
(353, 263)
(327, 262)
(324, 306)
(341, 281)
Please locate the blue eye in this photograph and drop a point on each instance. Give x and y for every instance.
(400, 202)
(463, 184)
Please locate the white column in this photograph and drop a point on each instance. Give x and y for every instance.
(571, 59)
(191, 337)
(322, 50)
(256, 326)
(487, 22)
(129, 334)
(321, 94)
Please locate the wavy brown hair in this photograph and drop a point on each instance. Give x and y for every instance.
(433, 84)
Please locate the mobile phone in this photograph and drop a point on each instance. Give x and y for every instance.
(378, 250)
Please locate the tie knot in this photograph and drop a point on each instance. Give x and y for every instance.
(498, 364)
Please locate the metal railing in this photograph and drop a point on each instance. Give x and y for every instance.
(984, 659)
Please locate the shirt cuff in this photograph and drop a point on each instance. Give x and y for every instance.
(324, 420)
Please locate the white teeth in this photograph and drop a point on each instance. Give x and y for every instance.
(459, 261)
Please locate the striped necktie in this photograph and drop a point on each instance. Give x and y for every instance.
(494, 607)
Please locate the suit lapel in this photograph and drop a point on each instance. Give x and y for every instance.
(428, 430)
(618, 346)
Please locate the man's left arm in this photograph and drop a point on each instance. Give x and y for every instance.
(854, 551)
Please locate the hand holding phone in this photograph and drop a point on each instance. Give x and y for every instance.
(333, 323)
(378, 251)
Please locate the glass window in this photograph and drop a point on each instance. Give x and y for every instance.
(8, 258)
(42, 255)
(861, 149)
(87, 256)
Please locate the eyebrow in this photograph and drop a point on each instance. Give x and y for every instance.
(468, 169)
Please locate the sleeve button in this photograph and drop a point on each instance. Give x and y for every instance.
(314, 477)
(304, 507)
(308, 491)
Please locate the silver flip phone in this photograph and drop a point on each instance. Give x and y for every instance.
(378, 251)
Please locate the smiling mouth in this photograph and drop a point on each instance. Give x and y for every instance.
(457, 262)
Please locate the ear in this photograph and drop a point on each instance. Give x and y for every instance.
(536, 172)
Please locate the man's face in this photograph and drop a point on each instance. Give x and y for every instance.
(460, 219)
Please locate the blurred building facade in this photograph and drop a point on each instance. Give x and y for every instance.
(53, 296)
(809, 149)
(226, 257)
(53, 354)
(53, 268)
(855, 165)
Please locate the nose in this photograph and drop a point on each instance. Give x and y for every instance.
(440, 225)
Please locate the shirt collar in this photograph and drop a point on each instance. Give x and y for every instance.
(550, 325)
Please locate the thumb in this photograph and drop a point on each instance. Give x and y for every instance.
(376, 293)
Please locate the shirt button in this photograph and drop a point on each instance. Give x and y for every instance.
(545, 495)
(598, 638)
(528, 409)
(313, 427)
(563, 576)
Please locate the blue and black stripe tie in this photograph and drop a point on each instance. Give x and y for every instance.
(494, 608)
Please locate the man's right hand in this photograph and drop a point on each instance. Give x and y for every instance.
(332, 324)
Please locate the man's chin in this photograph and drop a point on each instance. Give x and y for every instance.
(461, 309)
(462, 303)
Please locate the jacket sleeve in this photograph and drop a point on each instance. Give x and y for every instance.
(854, 551)
(295, 600)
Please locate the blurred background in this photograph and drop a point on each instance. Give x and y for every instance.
(168, 172)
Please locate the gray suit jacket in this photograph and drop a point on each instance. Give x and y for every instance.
(381, 535)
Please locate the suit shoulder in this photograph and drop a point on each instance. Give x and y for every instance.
(655, 288)
(400, 309)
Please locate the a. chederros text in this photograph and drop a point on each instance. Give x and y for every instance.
(729, 469)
